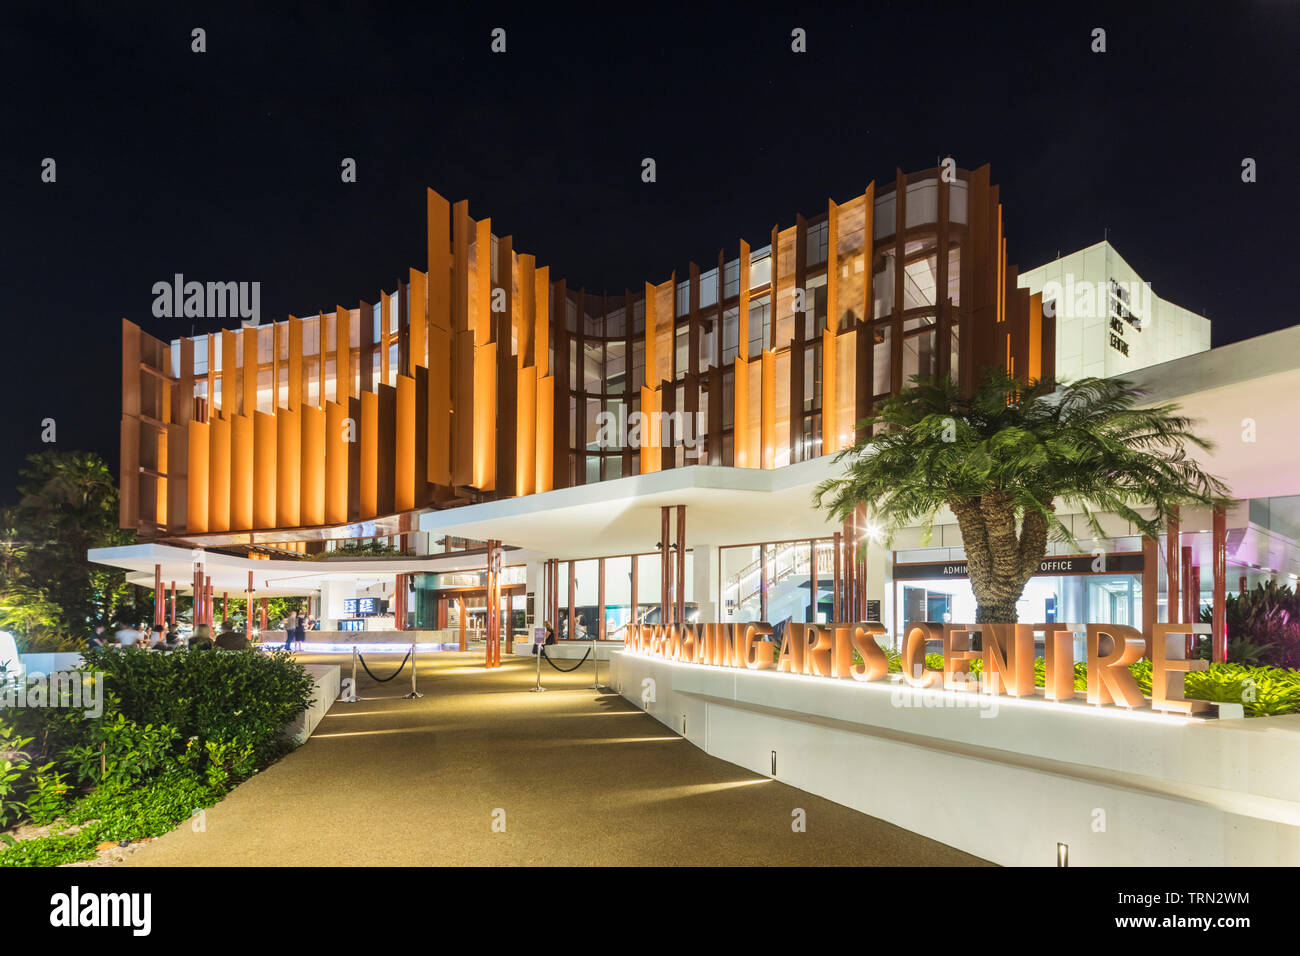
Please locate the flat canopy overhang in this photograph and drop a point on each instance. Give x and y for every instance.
(274, 578)
(724, 506)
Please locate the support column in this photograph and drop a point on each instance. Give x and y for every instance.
(1219, 652)
(665, 569)
(208, 601)
(573, 600)
(1186, 585)
(680, 614)
(837, 611)
(812, 581)
(1150, 584)
(600, 599)
(493, 652)
(1172, 606)
(262, 615)
(159, 599)
(173, 606)
(248, 604)
(762, 582)
(460, 608)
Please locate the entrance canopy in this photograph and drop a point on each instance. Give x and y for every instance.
(724, 506)
(273, 578)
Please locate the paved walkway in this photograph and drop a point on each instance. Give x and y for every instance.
(581, 778)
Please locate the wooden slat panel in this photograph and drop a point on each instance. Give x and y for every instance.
(313, 465)
(369, 501)
(387, 441)
(266, 451)
(336, 464)
(485, 414)
(288, 473)
(219, 474)
(439, 406)
(196, 514)
(768, 427)
(241, 472)
(650, 460)
(526, 439)
(295, 365)
(545, 418)
(248, 400)
(419, 319)
(404, 472)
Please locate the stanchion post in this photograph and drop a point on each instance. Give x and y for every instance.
(414, 694)
(595, 662)
(539, 649)
(353, 697)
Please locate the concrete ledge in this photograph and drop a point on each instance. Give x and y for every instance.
(50, 663)
(328, 678)
(569, 650)
(1008, 784)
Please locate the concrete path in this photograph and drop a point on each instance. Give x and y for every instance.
(578, 777)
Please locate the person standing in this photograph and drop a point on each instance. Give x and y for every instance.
(290, 629)
(300, 633)
(96, 639)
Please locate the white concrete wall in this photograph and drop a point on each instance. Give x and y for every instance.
(328, 681)
(1118, 789)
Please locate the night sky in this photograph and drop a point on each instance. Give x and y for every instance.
(225, 165)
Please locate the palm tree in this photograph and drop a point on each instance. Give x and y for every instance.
(1000, 460)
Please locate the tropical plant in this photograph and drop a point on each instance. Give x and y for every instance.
(1003, 457)
(1263, 625)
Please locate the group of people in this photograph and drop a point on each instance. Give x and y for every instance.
(296, 626)
(157, 638)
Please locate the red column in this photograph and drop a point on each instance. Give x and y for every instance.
(173, 605)
(1172, 607)
(248, 618)
(812, 581)
(665, 572)
(263, 616)
(208, 601)
(159, 599)
(837, 581)
(680, 615)
(1220, 548)
(1186, 586)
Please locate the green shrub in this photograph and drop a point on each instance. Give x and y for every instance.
(231, 695)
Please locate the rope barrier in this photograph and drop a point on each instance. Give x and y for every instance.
(565, 670)
(383, 680)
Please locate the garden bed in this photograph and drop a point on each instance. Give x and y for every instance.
(154, 740)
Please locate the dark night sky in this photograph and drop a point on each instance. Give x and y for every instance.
(225, 165)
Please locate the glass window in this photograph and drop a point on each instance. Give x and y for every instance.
(682, 356)
(880, 360)
(708, 288)
(760, 268)
(730, 334)
(731, 279)
(817, 243)
(615, 366)
(594, 366)
(760, 327)
(918, 357)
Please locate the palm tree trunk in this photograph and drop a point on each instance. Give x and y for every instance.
(999, 561)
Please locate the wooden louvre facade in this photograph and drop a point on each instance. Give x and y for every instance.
(481, 377)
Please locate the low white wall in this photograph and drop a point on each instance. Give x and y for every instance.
(569, 650)
(1008, 784)
(328, 678)
(50, 663)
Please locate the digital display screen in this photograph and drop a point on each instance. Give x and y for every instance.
(361, 606)
(357, 625)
